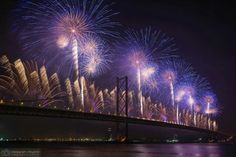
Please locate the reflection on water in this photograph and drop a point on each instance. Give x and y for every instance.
(130, 150)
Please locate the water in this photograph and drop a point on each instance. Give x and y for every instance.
(130, 150)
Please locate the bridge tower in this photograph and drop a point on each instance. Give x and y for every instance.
(122, 106)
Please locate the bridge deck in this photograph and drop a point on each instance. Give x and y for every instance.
(55, 113)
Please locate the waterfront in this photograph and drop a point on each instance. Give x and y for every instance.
(123, 150)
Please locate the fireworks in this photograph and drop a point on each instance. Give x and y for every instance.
(22, 82)
(67, 25)
(96, 57)
(147, 72)
(60, 26)
(209, 99)
(173, 72)
(139, 49)
(190, 93)
(169, 77)
(82, 31)
(191, 88)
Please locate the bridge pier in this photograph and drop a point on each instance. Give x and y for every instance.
(122, 94)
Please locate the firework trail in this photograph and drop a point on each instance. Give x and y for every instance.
(69, 93)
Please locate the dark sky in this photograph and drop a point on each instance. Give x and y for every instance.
(203, 31)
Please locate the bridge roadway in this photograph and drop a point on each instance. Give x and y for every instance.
(56, 113)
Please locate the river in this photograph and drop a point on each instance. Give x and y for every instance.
(123, 150)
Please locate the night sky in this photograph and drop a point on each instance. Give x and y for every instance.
(203, 31)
